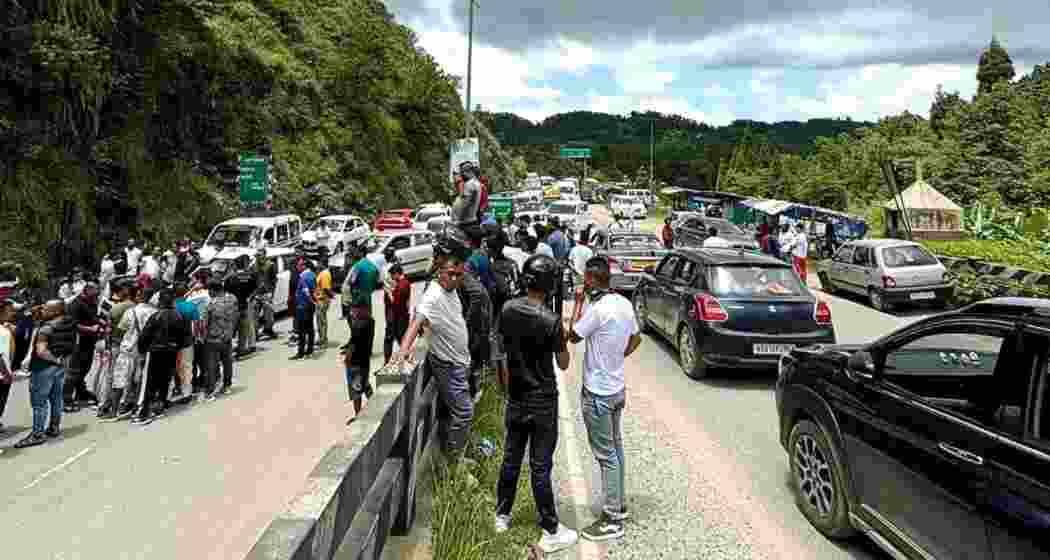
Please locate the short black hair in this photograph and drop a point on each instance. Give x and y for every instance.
(396, 269)
(599, 267)
(531, 243)
(712, 231)
(215, 285)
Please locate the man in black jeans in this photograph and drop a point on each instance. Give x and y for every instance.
(532, 335)
(84, 311)
(166, 333)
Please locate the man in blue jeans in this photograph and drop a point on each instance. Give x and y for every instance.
(611, 330)
(532, 336)
(305, 307)
(53, 348)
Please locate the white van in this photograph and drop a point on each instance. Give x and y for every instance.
(645, 195)
(626, 206)
(575, 214)
(269, 231)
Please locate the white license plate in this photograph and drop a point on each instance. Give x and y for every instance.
(924, 295)
(771, 349)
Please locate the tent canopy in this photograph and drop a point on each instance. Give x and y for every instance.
(921, 196)
(794, 209)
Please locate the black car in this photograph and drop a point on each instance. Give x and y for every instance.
(692, 231)
(730, 308)
(630, 254)
(933, 440)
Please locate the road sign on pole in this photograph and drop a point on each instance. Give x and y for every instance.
(463, 150)
(254, 178)
(576, 153)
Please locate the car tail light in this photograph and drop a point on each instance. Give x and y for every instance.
(709, 309)
(822, 313)
(888, 282)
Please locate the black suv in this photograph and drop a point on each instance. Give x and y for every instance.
(933, 440)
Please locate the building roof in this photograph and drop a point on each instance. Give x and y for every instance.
(921, 196)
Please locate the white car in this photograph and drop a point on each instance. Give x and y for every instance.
(252, 233)
(283, 259)
(344, 230)
(414, 249)
(429, 211)
(575, 214)
(623, 206)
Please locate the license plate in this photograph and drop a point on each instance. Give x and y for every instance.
(924, 295)
(772, 349)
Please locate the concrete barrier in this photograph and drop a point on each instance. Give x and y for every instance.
(363, 489)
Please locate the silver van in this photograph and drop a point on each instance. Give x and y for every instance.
(888, 272)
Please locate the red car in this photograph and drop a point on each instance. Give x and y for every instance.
(393, 219)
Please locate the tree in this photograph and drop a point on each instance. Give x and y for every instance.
(943, 103)
(995, 66)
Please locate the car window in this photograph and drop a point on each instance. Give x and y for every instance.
(667, 267)
(282, 233)
(400, 242)
(694, 223)
(752, 281)
(844, 254)
(907, 255)
(635, 241)
(860, 256)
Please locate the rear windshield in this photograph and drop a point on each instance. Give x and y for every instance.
(634, 242)
(907, 255)
(750, 281)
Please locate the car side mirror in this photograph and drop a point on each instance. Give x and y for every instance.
(861, 365)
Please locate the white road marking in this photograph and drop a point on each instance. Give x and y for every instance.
(58, 467)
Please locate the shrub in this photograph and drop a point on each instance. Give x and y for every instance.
(971, 287)
(1020, 254)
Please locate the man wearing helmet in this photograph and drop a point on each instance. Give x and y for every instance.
(532, 336)
(440, 311)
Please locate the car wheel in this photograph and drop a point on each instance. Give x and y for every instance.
(818, 480)
(825, 282)
(877, 301)
(641, 312)
(689, 355)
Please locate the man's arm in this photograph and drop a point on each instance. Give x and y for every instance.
(632, 345)
(562, 354)
(411, 334)
(42, 350)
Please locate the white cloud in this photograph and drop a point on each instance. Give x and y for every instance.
(638, 81)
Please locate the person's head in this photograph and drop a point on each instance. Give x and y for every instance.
(712, 231)
(242, 262)
(90, 293)
(667, 220)
(497, 242)
(531, 243)
(7, 311)
(450, 272)
(215, 287)
(539, 274)
(166, 298)
(323, 256)
(181, 289)
(800, 228)
(396, 272)
(475, 235)
(148, 293)
(597, 273)
(300, 264)
(260, 253)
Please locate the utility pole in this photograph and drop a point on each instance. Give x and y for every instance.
(652, 150)
(470, 55)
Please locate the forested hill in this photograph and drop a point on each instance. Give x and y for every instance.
(601, 128)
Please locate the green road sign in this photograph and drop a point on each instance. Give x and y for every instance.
(576, 153)
(502, 207)
(254, 178)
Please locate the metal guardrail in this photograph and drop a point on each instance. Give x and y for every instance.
(364, 488)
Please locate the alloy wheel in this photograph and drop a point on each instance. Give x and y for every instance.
(815, 479)
(686, 349)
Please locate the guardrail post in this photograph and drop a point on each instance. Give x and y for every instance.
(409, 448)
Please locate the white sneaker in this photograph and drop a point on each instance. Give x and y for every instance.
(553, 542)
(502, 523)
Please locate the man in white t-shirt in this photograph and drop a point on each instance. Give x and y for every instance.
(579, 255)
(133, 254)
(440, 311)
(800, 252)
(611, 330)
(713, 241)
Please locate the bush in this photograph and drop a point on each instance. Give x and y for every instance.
(1019, 254)
(971, 287)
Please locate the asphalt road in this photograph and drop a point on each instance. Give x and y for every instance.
(201, 483)
(706, 475)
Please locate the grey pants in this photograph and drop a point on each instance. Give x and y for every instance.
(603, 415)
(246, 329)
(455, 407)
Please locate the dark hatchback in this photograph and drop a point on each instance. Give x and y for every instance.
(693, 230)
(933, 440)
(629, 252)
(730, 308)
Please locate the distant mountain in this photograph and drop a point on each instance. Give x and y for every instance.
(585, 127)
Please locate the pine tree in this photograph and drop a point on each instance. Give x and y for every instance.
(995, 66)
(943, 103)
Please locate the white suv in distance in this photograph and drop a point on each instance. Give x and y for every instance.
(428, 211)
(623, 206)
(344, 230)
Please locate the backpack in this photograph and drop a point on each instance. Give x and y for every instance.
(506, 286)
(63, 339)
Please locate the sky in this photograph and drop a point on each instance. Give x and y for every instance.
(718, 61)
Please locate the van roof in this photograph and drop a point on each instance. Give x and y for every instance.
(259, 222)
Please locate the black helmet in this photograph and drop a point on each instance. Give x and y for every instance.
(539, 272)
(452, 242)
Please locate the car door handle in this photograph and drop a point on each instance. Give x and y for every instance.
(962, 454)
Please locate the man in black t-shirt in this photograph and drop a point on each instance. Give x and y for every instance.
(531, 336)
(83, 310)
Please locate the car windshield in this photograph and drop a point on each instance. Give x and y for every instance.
(562, 209)
(233, 235)
(907, 255)
(725, 227)
(333, 224)
(752, 281)
(634, 241)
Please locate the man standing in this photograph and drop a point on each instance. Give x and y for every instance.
(134, 255)
(83, 310)
(504, 273)
(54, 343)
(189, 310)
(477, 310)
(221, 319)
(611, 330)
(479, 263)
(466, 207)
(558, 243)
(532, 336)
(166, 333)
(666, 234)
(395, 298)
(324, 294)
(800, 252)
(266, 274)
(305, 309)
(579, 256)
(243, 283)
(448, 358)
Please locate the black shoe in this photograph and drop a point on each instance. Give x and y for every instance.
(52, 432)
(70, 408)
(35, 438)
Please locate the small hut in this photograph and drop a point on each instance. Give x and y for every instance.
(930, 214)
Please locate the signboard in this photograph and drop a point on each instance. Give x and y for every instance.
(502, 207)
(464, 149)
(576, 153)
(254, 179)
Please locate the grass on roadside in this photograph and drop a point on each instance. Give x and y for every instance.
(464, 502)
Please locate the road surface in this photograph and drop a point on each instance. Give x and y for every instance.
(201, 483)
(706, 475)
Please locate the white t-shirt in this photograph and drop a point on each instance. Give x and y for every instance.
(716, 242)
(133, 259)
(544, 249)
(579, 256)
(800, 248)
(607, 325)
(448, 328)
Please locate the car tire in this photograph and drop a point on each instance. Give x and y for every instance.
(826, 283)
(641, 312)
(689, 356)
(818, 480)
(878, 302)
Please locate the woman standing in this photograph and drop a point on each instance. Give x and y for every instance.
(127, 373)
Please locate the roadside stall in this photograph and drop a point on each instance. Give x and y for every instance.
(826, 228)
(696, 200)
(928, 214)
